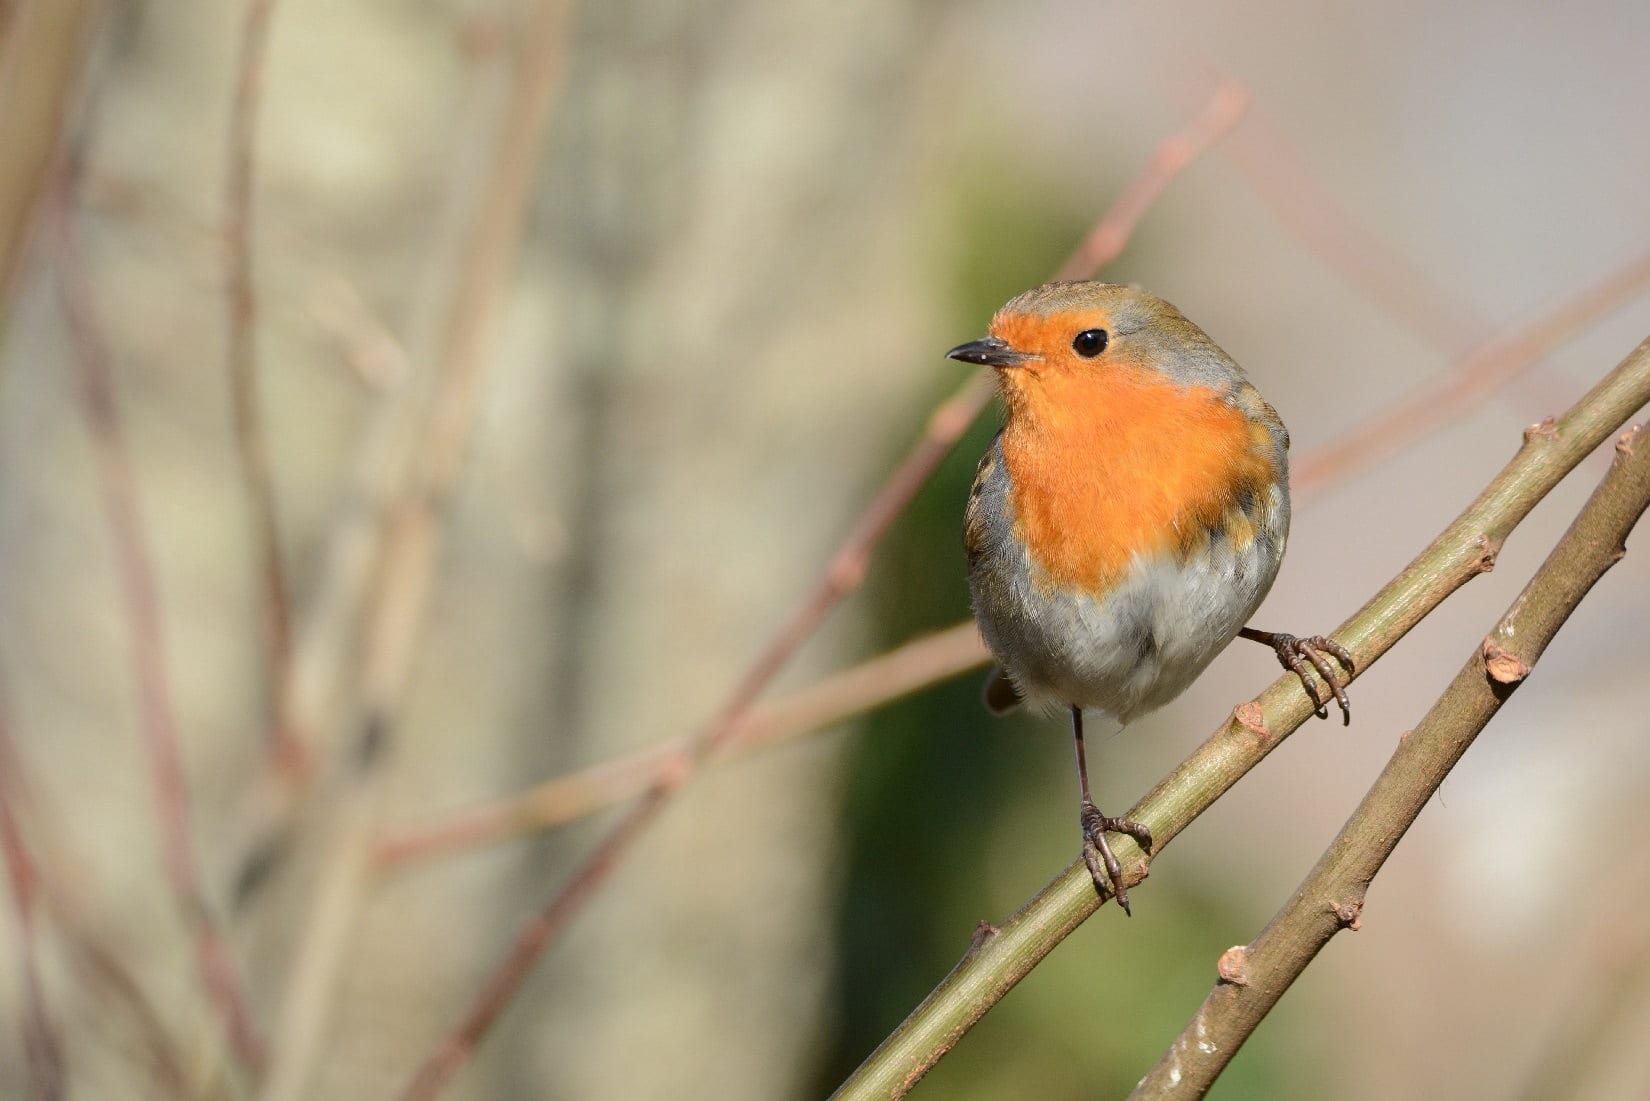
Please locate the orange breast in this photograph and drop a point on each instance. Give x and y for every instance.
(1111, 464)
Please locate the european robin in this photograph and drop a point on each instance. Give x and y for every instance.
(1127, 520)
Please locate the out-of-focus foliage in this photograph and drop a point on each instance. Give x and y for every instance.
(755, 230)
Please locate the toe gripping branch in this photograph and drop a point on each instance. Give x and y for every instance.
(1294, 654)
(1103, 863)
(1097, 854)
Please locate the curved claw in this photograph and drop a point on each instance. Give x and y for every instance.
(1294, 654)
(1096, 850)
(1103, 864)
(1313, 649)
(1293, 657)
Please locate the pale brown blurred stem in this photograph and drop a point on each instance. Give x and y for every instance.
(105, 971)
(1479, 372)
(142, 607)
(42, 1042)
(1004, 954)
(899, 672)
(1280, 177)
(843, 574)
(1110, 235)
(42, 51)
(252, 445)
(102, 971)
(1313, 214)
(343, 581)
(1331, 898)
(413, 543)
(1590, 1036)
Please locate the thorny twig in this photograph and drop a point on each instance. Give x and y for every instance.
(1331, 898)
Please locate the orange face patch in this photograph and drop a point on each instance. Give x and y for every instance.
(1047, 336)
(1110, 461)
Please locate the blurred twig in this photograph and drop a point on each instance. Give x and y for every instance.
(353, 553)
(1280, 177)
(1315, 216)
(1110, 235)
(314, 700)
(141, 597)
(1576, 1050)
(42, 50)
(887, 677)
(251, 442)
(1331, 897)
(844, 572)
(567, 797)
(42, 1042)
(1477, 373)
(1002, 955)
(413, 541)
(102, 967)
(107, 972)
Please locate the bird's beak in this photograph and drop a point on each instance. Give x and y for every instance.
(988, 352)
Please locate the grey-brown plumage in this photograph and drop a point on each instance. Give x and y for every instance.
(1129, 518)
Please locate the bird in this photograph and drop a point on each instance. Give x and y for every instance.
(1126, 522)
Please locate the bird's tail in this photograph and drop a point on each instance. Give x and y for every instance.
(1000, 696)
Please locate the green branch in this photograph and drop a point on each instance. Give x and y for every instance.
(1001, 956)
(1331, 898)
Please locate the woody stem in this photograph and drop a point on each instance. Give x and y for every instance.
(1497, 665)
(1465, 549)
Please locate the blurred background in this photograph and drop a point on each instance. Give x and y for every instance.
(578, 335)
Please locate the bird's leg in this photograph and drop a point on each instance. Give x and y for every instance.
(1294, 653)
(1097, 854)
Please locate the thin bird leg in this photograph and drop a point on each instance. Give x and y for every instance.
(1294, 653)
(1095, 826)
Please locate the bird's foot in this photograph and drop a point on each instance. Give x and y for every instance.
(1097, 854)
(1294, 653)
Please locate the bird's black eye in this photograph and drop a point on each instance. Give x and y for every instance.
(1090, 343)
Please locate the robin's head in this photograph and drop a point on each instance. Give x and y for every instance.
(1061, 341)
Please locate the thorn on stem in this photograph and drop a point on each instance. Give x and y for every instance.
(1233, 965)
(1349, 914)
(1488, 549)
(1252, 718)
(1502, 664)
(1545, 429)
